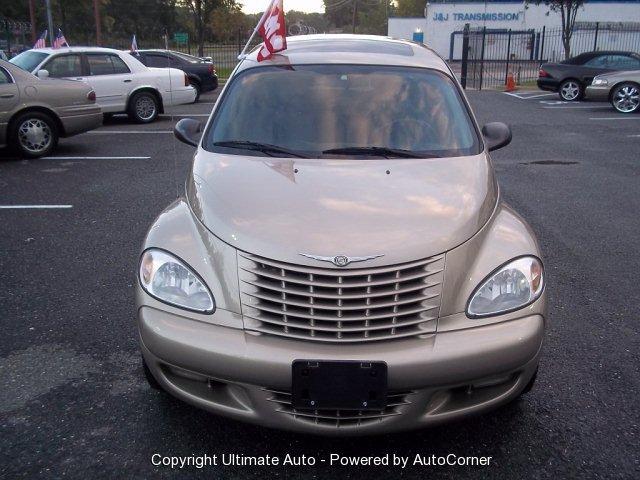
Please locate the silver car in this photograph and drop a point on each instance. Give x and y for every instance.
(342, 261)
(35, 113)
(622, 89)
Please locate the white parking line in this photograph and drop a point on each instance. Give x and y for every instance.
(560, 107)
(166, 115)
(614, 118)
(633, 136)
(136, 132)
(33, 207)
(527, 97)
(95, 158)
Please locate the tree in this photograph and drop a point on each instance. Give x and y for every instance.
(201, 11)
(359, 16)
(410, 8)
(568, 10)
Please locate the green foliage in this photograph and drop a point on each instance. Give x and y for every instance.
(410, 8)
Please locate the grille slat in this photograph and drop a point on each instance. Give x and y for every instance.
(338, 304)
(343, 329)
(339, 418)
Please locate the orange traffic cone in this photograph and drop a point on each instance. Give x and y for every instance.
(511, 83)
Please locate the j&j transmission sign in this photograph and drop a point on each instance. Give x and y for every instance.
(476, 17)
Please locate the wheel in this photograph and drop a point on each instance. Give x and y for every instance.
(33, 134)
(143, 107)
(197, 88)
(571, 90)
(151, 380)
(626, 98)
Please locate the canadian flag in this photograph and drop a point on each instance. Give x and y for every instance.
(273, 31)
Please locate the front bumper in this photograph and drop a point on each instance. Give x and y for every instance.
(247, 376)
(597, 93)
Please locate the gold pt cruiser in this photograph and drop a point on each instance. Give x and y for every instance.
(341, 262)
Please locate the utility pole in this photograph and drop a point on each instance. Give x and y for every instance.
(355, 14)
(49, 21)
(32, 18)
(96, 14)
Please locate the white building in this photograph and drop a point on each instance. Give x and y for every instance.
(443, 19)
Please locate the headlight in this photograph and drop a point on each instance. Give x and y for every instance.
(170, 280)
(511, 287)
(600, 81)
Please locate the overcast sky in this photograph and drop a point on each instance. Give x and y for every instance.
(253, 6)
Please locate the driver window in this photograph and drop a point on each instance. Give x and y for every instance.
(64, 66)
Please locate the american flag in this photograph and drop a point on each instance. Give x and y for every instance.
(42, 40)
(60, 41)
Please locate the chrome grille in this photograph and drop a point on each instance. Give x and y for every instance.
(339, 418)
(340, 305)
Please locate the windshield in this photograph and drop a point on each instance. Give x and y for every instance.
(313, 109)
(29, 60)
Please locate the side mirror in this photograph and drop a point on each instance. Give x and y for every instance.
(187, 130)
(496, 135)
(43, 73)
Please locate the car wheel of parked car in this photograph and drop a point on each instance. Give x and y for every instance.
(197, 88)
(34, 134)
(151, 380)
(143, 107)
(571, 90)
(626, 98)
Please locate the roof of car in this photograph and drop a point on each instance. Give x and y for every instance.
(50, 50)
(352, 49)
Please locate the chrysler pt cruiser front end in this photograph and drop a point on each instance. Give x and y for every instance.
(341, 261)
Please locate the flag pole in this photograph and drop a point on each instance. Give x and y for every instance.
(243, 54)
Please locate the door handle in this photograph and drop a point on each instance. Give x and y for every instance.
(7, 95)
(127, 81)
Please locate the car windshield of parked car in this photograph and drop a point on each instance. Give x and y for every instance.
(28, 60)
(313, 109)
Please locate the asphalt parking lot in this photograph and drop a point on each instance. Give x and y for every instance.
(73, 400)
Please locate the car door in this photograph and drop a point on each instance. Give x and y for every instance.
(9, 98)
(111, 79)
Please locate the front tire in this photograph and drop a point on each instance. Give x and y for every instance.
(33, 134)
(571, 90)
(626, 98)
(143, 107)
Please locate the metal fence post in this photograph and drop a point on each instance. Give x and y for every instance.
(544, 29)
(506, 70)
(465, 56)
(484, 37)
(595, 38)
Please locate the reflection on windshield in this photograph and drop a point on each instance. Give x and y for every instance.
(28, 60)
(315, 108)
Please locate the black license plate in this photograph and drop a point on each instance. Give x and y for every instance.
(340, 385)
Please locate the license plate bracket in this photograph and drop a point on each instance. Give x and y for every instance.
(339, 385)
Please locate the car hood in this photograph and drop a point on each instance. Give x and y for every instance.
(623, 74)
(403, 209)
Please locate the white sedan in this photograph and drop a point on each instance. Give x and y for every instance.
(122, 83)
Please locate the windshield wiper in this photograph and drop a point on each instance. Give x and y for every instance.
(381, 151)
(260, 147)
